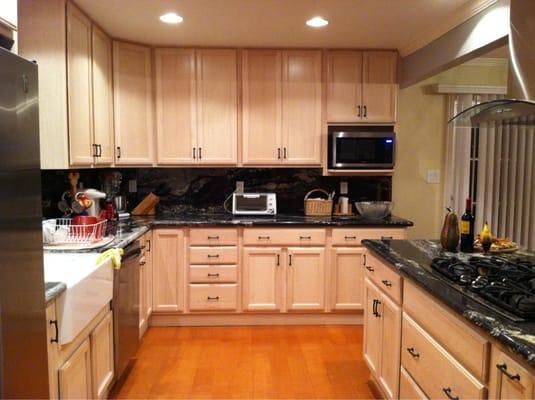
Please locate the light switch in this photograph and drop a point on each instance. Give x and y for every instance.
(240, 186)
(343, 187)
(433, 176)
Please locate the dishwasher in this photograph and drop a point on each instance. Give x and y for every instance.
(126, 308)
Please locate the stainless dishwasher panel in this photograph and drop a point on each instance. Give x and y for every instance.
(126, 308)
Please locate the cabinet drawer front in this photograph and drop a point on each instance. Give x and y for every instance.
(213, 273)
(434, 369)
(213, 255)
(354, 237)
(465, 344)
(383, 276)
(213, 237)
(205, 297)
(408, 389)
(284, 237)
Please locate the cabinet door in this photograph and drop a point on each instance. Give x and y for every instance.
(217, 106)
(379, 88)
(102, 356)
(132, 95)
(508, 379)
(52, 350)
(262, 278)
(149, 271)
(306, 279)
(301, 107)
(261, 114)
(75, 374)
(390, 318)
(142, 296)
(175, 106)
(372, 328)
(79, 87)
(344, 86)
(347, 279)
(102, 97)
(168, 270)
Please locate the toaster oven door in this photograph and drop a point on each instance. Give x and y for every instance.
(250, 203)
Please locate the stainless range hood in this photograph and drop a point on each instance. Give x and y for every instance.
(520, 101)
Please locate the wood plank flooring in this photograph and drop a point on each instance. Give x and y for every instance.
(260, 362)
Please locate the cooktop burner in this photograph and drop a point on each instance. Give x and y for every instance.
(509, 283)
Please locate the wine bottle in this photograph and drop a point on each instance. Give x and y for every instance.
(467, 229)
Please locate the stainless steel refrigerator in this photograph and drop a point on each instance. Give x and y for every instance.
(23, 347)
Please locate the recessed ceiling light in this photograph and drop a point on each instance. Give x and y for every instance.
(317, 22)
(171, 18)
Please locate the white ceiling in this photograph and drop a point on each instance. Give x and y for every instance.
(402, 24)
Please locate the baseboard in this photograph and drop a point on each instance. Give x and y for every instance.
(255, 319)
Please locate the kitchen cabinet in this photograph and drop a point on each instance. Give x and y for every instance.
(509, 379)
(168, 270)
(8, 13)
(217, 106)
(132, 95)
(281, 107)
(362, 86)
(262, 279)
(305, 279)
(347, 279)
(372, 328)
(145, 283)
(101, 340)
(75, 374)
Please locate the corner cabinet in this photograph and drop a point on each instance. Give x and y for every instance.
(132, 94)
(282, 107)
(362, 86)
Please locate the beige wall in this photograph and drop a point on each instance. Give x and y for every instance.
(421, 145)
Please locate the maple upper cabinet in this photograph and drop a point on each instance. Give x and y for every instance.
(281, 107)
(217, 106)
(132, 94)
(362, 86)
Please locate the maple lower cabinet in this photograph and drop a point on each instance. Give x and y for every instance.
(145, 282)
(362, 86)
(168, 270)
(75, 374)
(262, 279)
(305, 279)
(372, 328)
(509, 379)
(102, 357)
(132, 94)
(347, 278)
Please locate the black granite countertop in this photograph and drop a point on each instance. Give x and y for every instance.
(53, 290)
(412, 258)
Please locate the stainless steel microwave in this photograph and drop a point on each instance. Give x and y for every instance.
(361, 150)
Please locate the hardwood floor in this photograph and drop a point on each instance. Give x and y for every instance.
(275, 362)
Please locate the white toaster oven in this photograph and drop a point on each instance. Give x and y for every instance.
(254, 203)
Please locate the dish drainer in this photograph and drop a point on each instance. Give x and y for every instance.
(60, 231)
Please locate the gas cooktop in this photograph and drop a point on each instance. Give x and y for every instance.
(508, 283)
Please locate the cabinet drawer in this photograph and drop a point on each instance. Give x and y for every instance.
(354, 237)
(213, 237)
(408, 389)
(384, 277)
(284, 237)
(469, 347)
(213, 255)
(213, 273)
(433, 368)
(204, 297)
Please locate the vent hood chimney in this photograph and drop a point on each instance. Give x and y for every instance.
(520, 101)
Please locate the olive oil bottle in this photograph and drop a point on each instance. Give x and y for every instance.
(467, 229)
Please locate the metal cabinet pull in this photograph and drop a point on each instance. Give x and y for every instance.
(95, 150)
(290, 260)
(386, 238)
(374, 311)
(211, 275)
(118, 151)
(149, 246)
(377, 309)
(412, 352)
(263, 237)
(350, 237)
(387, 283)
(365, 114)
(142, 262)
(99, 150)
(364, 256)
(503, 369)
(213, 237)
(447, 392)
(305, 237)
(56, 338)
(200, 153)
(194, 153)
(213, 255)
(369, 268)
(216, 298)
(284, 151)
(358, 111)
(278, 260)
(278, 153)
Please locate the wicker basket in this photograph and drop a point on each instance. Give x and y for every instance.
(318, 207)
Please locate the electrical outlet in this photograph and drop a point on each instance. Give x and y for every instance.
(132, 186)
(433, 176)
(343, 187)
(239, 186)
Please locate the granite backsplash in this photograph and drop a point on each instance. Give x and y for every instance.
(187, 189)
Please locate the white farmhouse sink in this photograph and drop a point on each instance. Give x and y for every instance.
(89, 289)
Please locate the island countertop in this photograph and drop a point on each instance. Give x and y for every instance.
(412, 258)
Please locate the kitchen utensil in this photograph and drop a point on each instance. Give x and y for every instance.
(374, 209)
(95, 196)
(318, 207)
(147, 205)
(120, 203)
